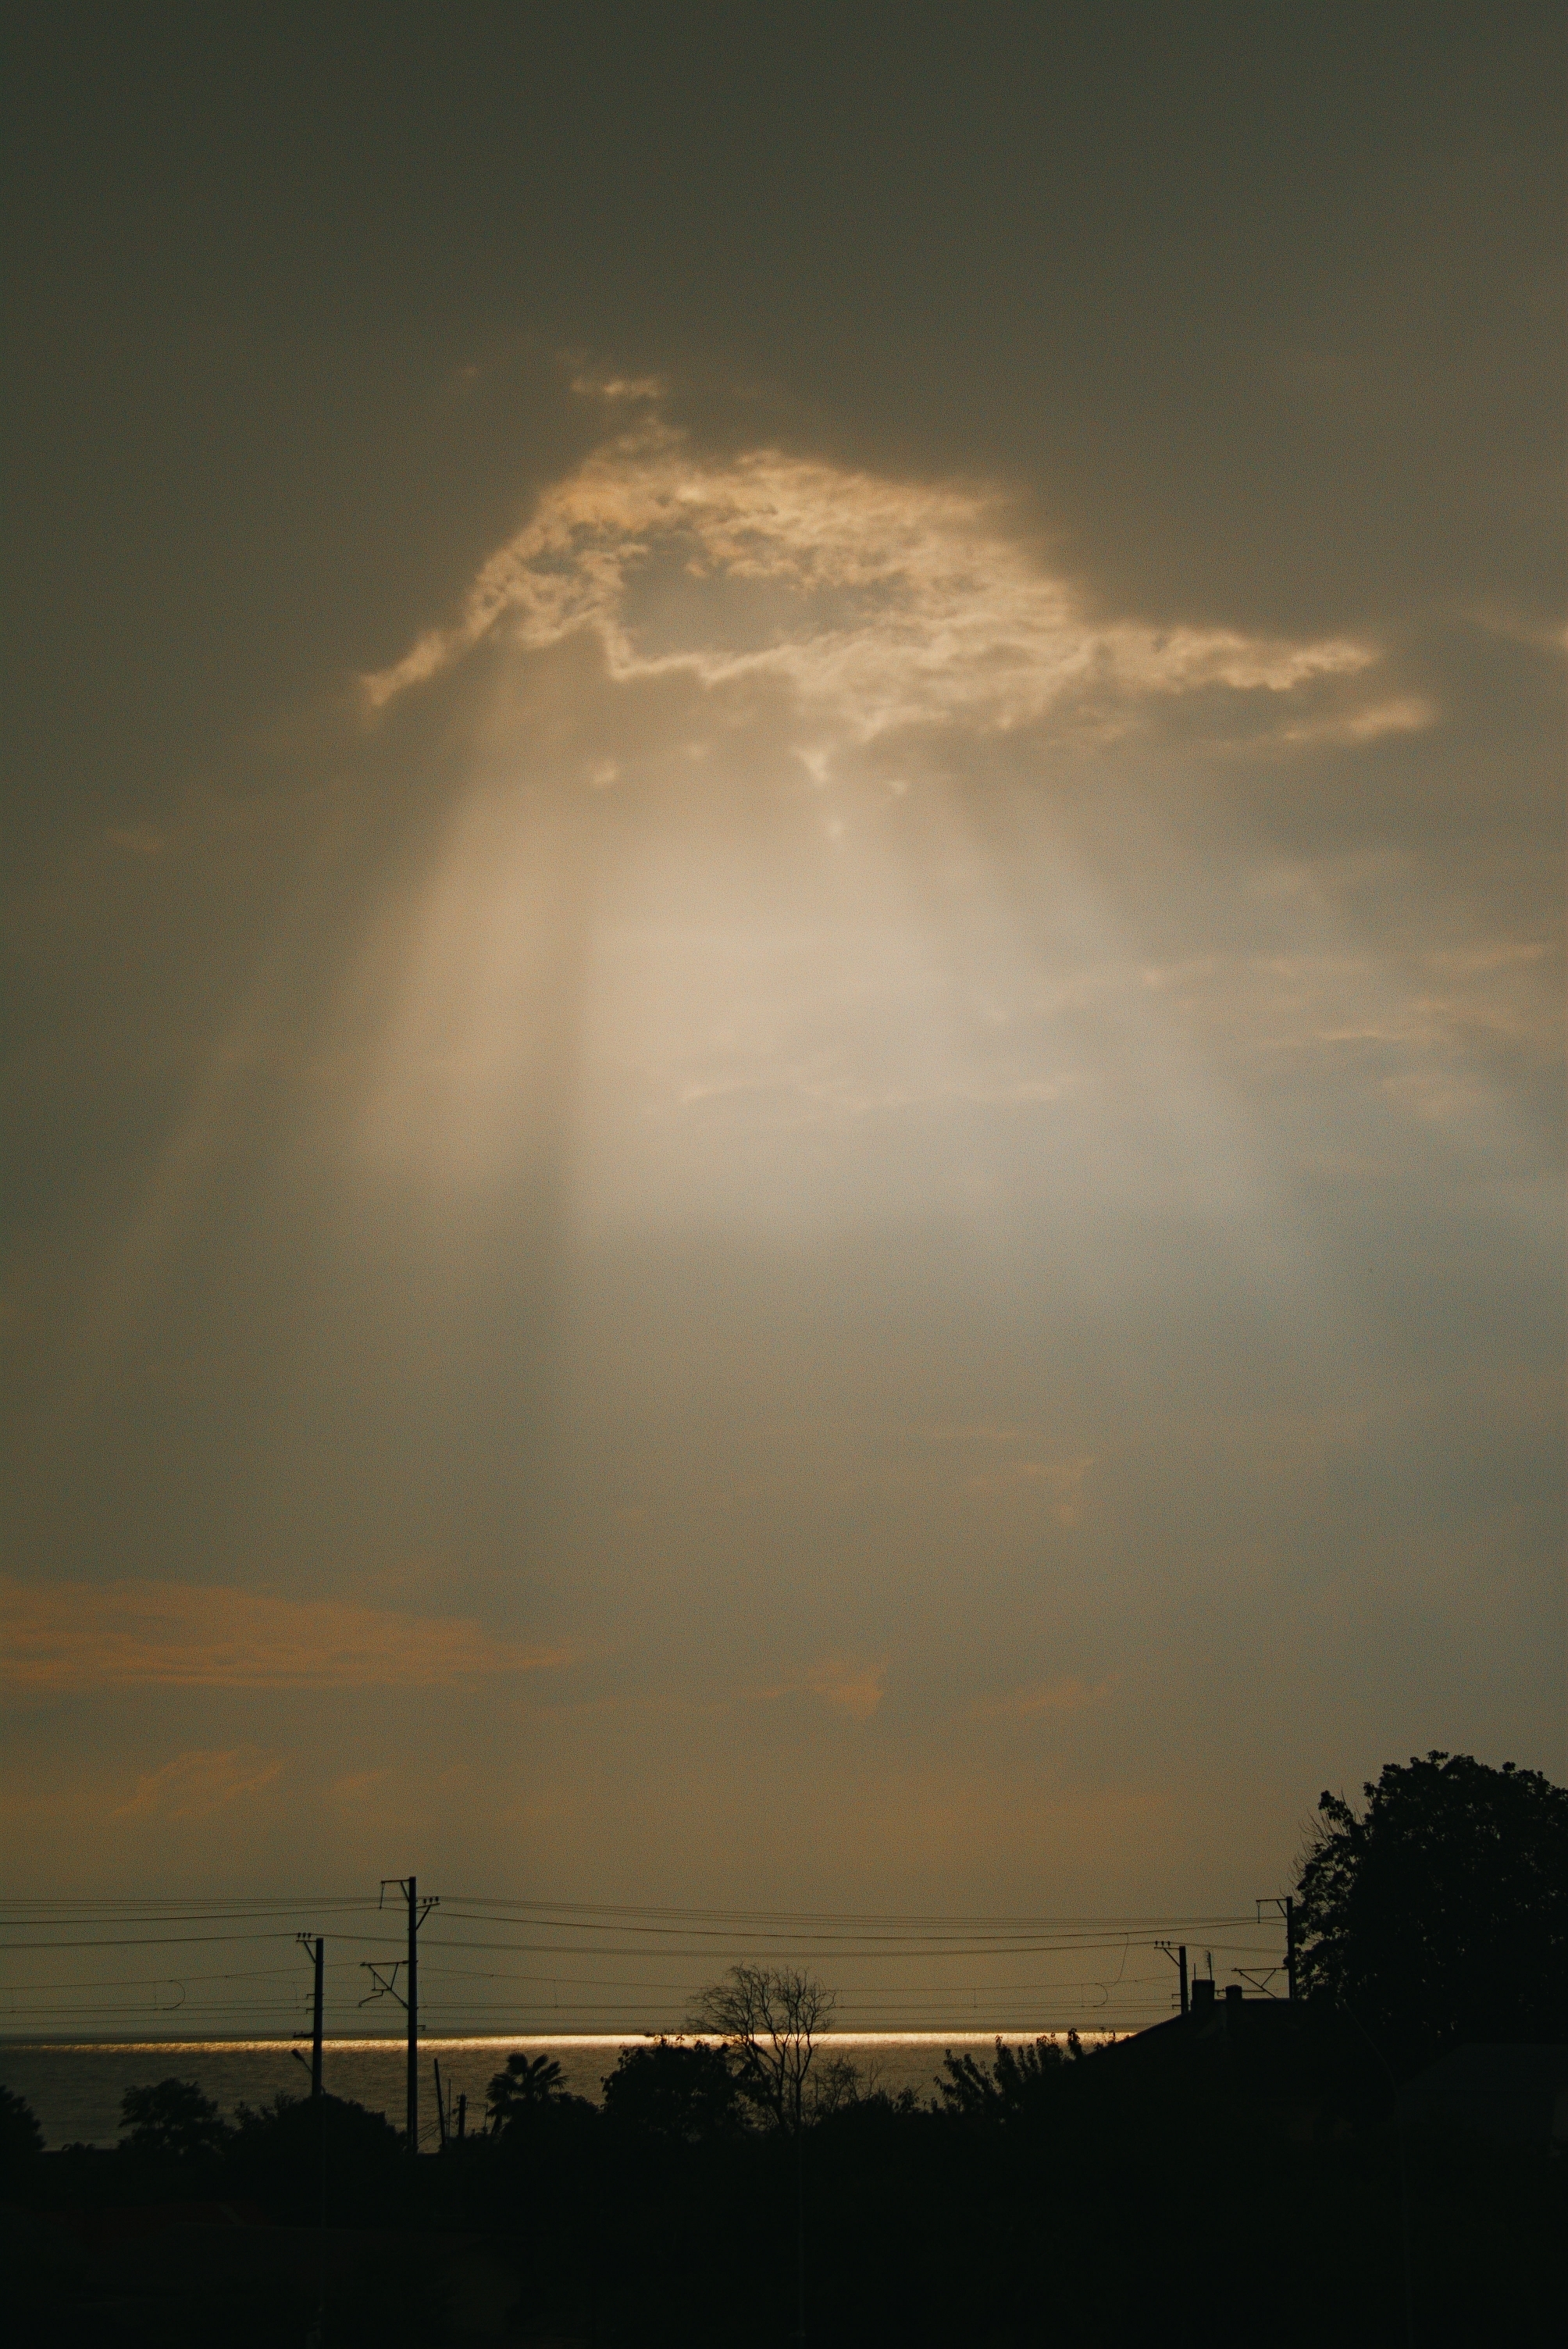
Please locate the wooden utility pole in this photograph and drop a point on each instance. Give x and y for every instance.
(316, 1948)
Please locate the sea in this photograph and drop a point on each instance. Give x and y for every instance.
(75, 2086)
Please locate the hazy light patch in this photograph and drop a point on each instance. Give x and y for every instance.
(832, 1032)
(472, 1051)
(777, 988)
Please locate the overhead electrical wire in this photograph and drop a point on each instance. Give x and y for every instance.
(578, 1936)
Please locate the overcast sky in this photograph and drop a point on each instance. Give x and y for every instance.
(783, 944)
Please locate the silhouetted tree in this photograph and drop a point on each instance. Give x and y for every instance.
(837, 2083)
(171, 2121)
(529, 2096)
(527, 2083)
(20, 2136)
(674, 2093)
(769, 2017)
(1440, 1913)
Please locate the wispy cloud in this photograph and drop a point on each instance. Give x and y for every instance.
(195, 1786)
(881, 603)
(855, 1690)
(850, 1689)
(1046, 1696)
(1061, 1481)
(75, 1637)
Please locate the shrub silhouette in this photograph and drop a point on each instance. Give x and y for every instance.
(1019, 2083)
(288, 2129)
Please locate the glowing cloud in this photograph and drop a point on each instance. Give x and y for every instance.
(881, 603)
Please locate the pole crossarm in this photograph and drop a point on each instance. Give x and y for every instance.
(1285, 1904)
(385, 1986)
(1177, 1953)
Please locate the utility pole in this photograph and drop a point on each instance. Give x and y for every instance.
(1180, 1954)
(413, 1891)
(408, 1886)
(317, 1951)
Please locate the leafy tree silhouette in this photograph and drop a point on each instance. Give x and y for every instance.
(528, 2085)
(1440, 1913)
(676, 2094)
(171, 2121)
(530, 2104)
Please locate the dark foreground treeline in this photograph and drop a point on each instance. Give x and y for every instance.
(1104, 2200)
(1249, 2172)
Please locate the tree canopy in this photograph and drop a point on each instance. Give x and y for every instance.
(172, 2121)
(530, 2093)
(1440, 1914)
(676, 2094)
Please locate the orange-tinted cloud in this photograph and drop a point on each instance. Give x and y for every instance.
(881, 603)
(1050, 1696)
(855, 1690)
(194, 1785)
(76, 1636)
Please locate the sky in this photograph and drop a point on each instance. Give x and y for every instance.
(783, 944)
